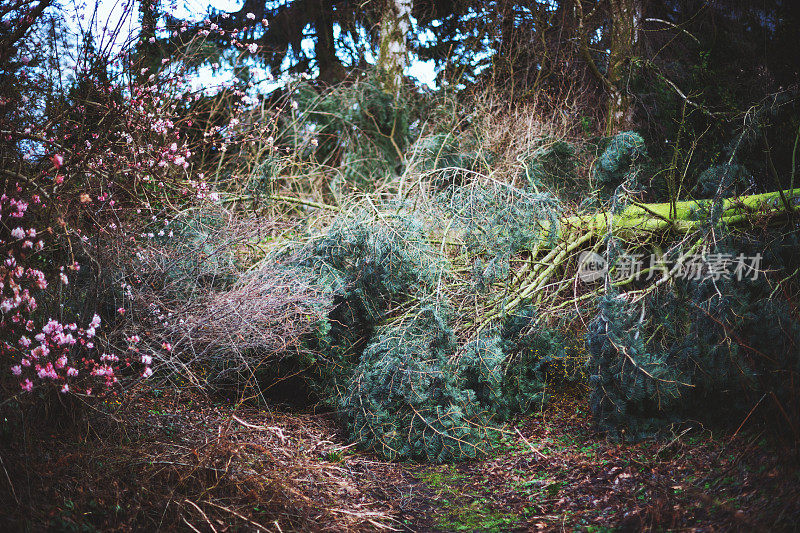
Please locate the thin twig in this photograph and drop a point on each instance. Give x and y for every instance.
(531, 446)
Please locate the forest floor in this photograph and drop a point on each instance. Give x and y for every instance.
(174, 461)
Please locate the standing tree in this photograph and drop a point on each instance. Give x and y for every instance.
(626, 20)
(623, 44)
(395, 25)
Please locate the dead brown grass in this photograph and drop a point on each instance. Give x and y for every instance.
(183, 462)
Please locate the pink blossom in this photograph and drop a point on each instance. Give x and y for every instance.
(26, 385)
(40, 351)
(103, 370)
(72, 372)
(16, 370)
(147, 372)
(38, 277)
(65, 340)
(58, 160)
(46, 372)
(52, 326)
(19, 208)
(18, 233)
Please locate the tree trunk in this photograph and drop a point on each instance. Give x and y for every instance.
(331, 70)
(392, 56)
(626, 18)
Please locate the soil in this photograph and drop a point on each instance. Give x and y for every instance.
(183, 461)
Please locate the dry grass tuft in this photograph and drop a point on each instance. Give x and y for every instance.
(206, 304)
(183, 462)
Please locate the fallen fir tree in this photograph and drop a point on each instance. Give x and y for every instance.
(447, 309)
(446, 318)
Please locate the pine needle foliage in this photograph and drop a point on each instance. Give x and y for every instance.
(550, 164)
(726, 180)
(624, 152)
(404, 400)
(693, 344)
(387, 357)
(496, 221)
(370, 268)
(703, 336)
(357, 127)
(511, 367)
(446, 162)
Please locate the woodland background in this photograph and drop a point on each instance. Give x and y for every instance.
(256, 276)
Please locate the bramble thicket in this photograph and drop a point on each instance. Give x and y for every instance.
(405, 258)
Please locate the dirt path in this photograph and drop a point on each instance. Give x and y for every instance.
(186, 463)
(558, 476)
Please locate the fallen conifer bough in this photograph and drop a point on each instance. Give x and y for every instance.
(450, 316)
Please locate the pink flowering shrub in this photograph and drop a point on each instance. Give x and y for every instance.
(98, 166)
(83, 166)
(40, 352)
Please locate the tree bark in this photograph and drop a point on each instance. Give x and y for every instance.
(626, 17)
(24, 23)
(393, 52)
(331, 70)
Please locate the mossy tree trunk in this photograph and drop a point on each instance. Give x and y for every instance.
(393, 53)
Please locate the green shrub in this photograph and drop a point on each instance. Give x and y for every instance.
(723, 181)
(551, 164)
(386, 357)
